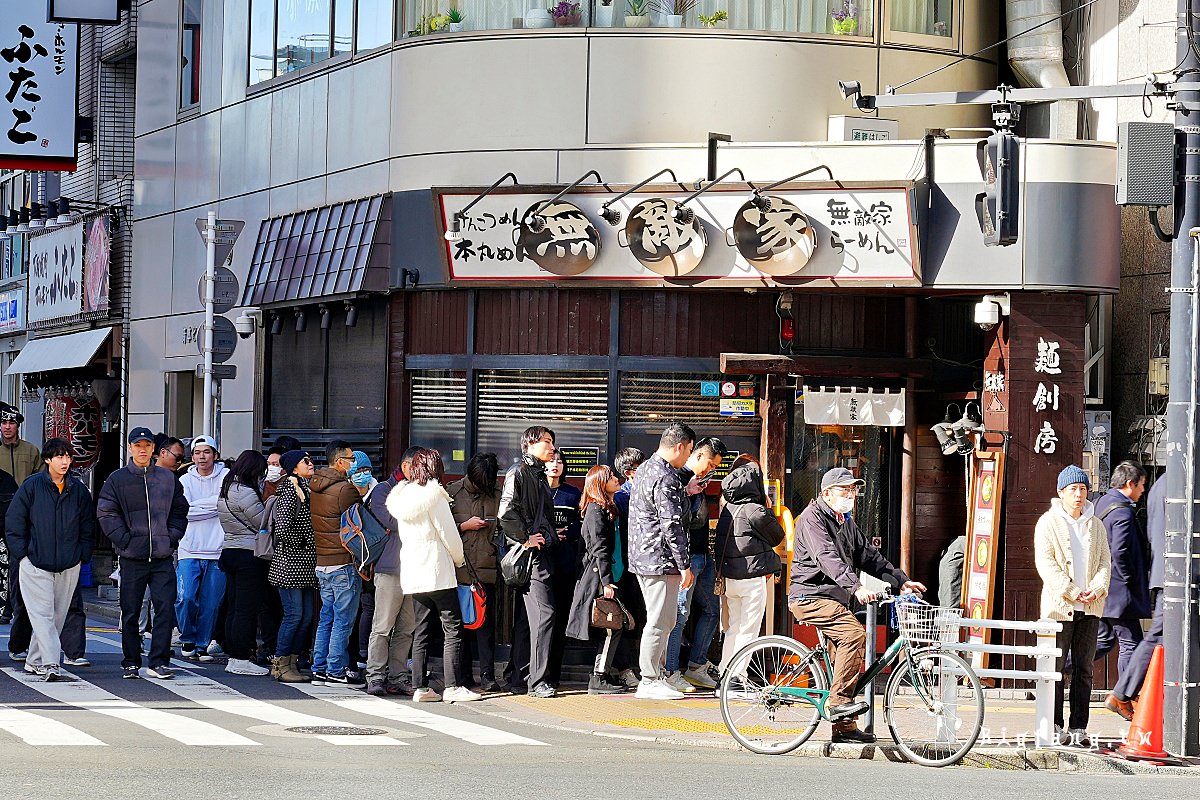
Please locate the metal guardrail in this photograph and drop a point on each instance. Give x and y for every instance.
(1043, 676)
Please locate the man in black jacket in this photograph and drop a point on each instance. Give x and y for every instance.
(143, 511)
(527, 518)
(51, 529)
(829, 553)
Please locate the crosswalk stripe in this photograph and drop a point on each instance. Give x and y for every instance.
(388, 709)
(86, 695)
(37, 730)
(219, 697)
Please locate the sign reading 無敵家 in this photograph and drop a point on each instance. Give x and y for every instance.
(56, 273)
(39, 62)
(857, 233)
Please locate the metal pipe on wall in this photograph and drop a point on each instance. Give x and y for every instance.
(908, 458)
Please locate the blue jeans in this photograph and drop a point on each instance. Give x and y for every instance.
(339, 605)
(297, 616)
(706, 624)
(199, 589)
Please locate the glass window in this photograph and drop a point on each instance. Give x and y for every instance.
(189, 55)
(374, 23)
(572, 404)
(438, 415)
(302, 35)
(926, 17)
(262, 41)
(343, 26)
(650, 401)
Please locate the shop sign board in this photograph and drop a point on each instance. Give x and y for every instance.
(56, 273)
(97, 262)
(983, 538)
(578, 460)
(85, 12)
(720, 472)
(12, 311)
(839, 406)
(710, 389)
(40, 60)
(852, 233)
(79, 423)
(738, 407)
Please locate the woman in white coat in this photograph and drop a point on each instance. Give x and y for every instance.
(430, 549)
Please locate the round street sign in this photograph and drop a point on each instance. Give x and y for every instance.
(728, 389)
(224, 340)
(225, 290)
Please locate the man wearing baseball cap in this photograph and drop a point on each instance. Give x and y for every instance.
(143, 511)
(830, 552)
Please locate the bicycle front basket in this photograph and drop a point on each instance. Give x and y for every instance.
(922, 624)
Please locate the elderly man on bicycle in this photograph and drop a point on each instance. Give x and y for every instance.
(830, 551)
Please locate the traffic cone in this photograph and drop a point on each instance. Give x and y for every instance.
(1145, 738)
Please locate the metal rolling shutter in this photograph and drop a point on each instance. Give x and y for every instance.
(438, 415)
(651, 401)
(573, 404)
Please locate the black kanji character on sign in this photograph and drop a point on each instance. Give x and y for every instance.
(21, 137)
(838, 211)
(463, 249)
(22, 51)
(881, 213)
(20, 76)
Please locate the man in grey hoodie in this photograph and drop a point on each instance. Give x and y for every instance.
(201, 583)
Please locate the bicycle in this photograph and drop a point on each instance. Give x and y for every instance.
(774, 692)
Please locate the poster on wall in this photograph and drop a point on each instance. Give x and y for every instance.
(983, 533)
(78, 422)
(38, 109)
(56, 273)
(97, 262)
(12, 311)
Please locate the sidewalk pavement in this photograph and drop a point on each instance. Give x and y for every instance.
(1005, 743)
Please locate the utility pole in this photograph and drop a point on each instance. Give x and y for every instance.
(210, 268)
(1180, 625)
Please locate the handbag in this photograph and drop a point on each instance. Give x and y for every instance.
(610, 614)
(517, 565)
(719, 579)
(472, 601)
(264, 540)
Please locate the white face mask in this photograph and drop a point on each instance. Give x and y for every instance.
(842, 505)
(274, 473)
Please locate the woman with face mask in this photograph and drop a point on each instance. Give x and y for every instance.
(747, 535)
(240, 510)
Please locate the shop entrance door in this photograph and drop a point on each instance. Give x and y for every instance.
(871, 453)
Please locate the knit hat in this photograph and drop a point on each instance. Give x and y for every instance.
(1073, 474)
(290, 459)
(10, 414)
(361, 460)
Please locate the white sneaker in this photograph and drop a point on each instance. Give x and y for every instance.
(1078, 737)
(19, 656)
(426, 696)
(677, 682)
(460, 694)
(77, 662)
(215, 649)
(656, 690)
(700, 677)
(241, 666)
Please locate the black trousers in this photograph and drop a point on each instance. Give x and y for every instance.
(1129, 685)
(433, 607)
(269, 618)
(159, 576)
(360, 634)
(246, 591)
(562, 583)
(539, 609)
(517, 671)
(481, 644)
(1077, 639)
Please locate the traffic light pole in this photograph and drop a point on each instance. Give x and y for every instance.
(1181, 710)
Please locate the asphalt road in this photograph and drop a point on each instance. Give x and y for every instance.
(217, 735)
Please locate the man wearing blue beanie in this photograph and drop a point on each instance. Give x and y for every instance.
(1072, 557)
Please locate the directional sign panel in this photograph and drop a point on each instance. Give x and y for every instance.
(225, 290)
(220, 372)
(224, 340)
(228, 231)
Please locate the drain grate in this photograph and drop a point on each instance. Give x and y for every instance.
(337, 730)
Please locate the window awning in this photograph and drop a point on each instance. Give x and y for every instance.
(334, 250)
(68, 351)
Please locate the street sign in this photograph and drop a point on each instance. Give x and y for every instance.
(220, 372)
(737, 407)
(228, 231)
(728, 389)
(225, 290)
(224, 340)
(709, 388)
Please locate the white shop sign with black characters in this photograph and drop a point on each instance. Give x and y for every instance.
(38, 87)
(56, 273)
(851, 233)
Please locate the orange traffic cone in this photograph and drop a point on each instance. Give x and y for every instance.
(1145, 739)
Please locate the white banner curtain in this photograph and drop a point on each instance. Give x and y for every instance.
(836, 406)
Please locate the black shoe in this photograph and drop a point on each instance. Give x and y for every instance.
(162, 672)
(853, 736)
(5, 619)
(489, 687)
(543, 690)
(518, 688)
(846, 710)
(343, 680)
(130, 673)
(599, 685)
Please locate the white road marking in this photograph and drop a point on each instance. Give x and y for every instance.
(361, 703)
(88, 696)
(42, 731)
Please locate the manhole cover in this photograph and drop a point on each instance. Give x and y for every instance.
(337, 730)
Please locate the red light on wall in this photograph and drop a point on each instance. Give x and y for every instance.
(787, 329)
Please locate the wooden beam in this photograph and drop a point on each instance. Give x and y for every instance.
(825, 366)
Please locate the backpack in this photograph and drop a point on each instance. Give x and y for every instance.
(264, 542)
(364, 537)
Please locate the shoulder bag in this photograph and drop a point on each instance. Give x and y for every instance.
(472, 600)
(610, 614)
(517, 565)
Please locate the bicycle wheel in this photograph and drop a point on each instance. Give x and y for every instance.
(934, 707)
(761, 717)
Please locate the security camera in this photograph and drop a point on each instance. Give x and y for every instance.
(989, 310)
(247, 322)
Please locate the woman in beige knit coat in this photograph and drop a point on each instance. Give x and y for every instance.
(1072, 557)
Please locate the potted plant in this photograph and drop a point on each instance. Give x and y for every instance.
(637, 15)
(844, 19)
(538, 18)
(604, 14)
(566, 15)
(717, 19)
(456, 20)
(675, 11)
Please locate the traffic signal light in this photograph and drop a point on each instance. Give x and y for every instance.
(998, 205)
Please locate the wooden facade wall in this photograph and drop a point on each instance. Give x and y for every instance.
(940, 500)
(439, 321)
(542, 322)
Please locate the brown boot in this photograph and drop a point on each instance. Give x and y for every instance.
(277, 666)
(290, 673)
